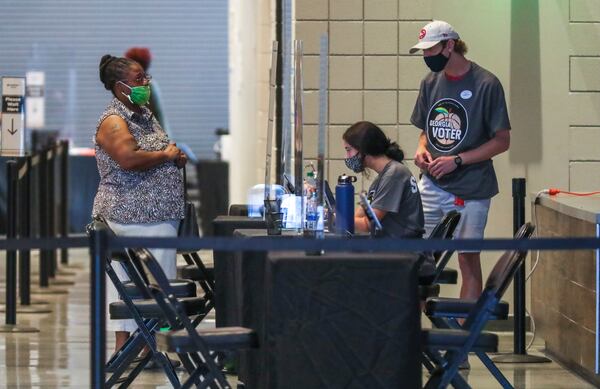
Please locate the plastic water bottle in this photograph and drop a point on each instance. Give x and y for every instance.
(344, 205)
(312, 217)
(311, 182)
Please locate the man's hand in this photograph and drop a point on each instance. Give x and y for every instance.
(423, 159)
(442, 166)
(422, 156)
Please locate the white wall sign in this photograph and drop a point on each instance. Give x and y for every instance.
(34, 103)
(12, 140)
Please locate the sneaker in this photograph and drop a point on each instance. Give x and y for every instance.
(229, 367)
(153, 365)
(465, 365)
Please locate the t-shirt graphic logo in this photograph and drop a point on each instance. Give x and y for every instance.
(370, 196)
(413, 185)
(447, 125)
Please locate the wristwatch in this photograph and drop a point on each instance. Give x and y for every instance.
(458, 161)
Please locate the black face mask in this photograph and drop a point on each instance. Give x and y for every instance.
(436, 63)
(355, 163)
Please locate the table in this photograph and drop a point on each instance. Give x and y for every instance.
(226, 273)
(339, 320)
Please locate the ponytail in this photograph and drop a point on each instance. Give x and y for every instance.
(394, 152)
(113, 69)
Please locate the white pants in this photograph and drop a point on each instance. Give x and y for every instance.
(167, 258)
(437, 202)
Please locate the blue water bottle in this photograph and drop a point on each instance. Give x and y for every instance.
(344, 205)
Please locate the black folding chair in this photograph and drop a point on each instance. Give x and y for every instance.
(137, 304)
(196, 347)
(429, 284)
(443, 275)
(459, 340)
(196, 270)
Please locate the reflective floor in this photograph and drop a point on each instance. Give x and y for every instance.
(58, 355)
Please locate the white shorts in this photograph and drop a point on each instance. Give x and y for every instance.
(167, 258)
(437, 202)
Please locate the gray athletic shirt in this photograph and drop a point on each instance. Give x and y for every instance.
(395, 191)
(460, 115)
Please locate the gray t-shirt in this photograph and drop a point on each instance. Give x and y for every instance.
(395, 191)
(460, 115)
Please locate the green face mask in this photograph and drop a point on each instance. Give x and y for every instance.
(140, 95)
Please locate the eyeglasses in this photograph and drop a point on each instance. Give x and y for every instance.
(140, 79)
(145, 77)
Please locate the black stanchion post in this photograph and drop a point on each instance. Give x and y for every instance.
(51, 188)
(43, 217)
(47, 224)
(64, 198)
(98, 253)
(24, 255)
(519, 331)
(25, 214)
(12, 204)
(57, 212)
(46, 204)
(11, 233)
(518, 189)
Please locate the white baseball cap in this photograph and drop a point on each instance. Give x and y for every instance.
(432, 34)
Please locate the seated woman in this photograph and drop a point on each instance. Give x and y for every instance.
(393, 195)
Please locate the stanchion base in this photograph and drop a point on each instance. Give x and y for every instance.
(60, 278)
(64, 273)
(520, 358)
(26, 309)
(48, 291)
(16, 329)
(32, 301)
(38, 302)
(61, 282)
(73, 266)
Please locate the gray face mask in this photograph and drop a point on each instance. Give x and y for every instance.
(355, 163)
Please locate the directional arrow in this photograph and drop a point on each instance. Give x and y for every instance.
(12, 130)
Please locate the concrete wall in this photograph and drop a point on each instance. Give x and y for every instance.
(581, 56)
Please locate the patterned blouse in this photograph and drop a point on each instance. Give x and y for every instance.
(127, 196)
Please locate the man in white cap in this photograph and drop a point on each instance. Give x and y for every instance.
(462, 115)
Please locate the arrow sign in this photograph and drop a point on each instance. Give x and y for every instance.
(13, 116)
(12, 130)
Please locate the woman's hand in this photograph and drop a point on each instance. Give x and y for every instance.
(181, 161)
(442, 166)
(115, 139)
(172, 152)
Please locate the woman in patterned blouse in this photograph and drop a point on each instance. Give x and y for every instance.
(141, 188)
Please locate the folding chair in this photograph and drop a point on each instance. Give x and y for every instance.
(429, 284)
(196, 347)
(197, 271)
(137, 304)
(448, 226)
(458, 340)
